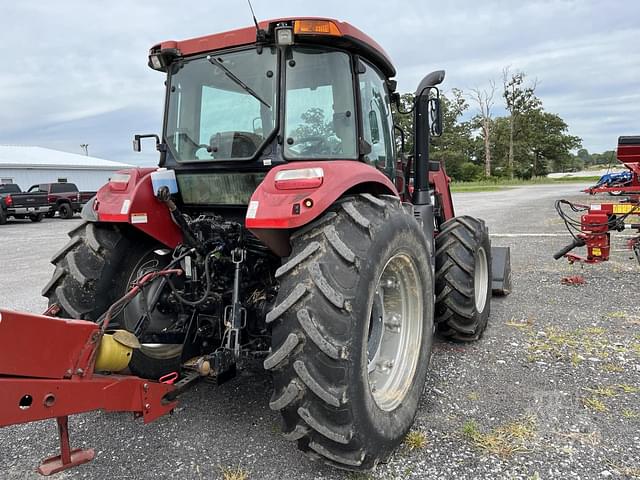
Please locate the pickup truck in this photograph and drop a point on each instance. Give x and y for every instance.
(14, 203)
(64, 198)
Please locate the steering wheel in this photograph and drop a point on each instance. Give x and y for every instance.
(317, 142)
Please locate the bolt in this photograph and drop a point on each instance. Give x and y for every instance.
(80, 372)
(385, 365)
(147, 406)
(393, 323)
(390, 283)
(145, 387)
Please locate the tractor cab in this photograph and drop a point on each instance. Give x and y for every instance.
(251, 99)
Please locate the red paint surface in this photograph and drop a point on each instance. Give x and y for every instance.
(441, 181)
(247, 35)
(275, 207)
(139, 192)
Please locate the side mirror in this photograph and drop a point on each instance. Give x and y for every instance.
(137, 146)
(435, 116)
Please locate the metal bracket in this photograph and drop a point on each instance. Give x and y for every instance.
(68, 458)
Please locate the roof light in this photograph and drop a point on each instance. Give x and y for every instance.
(299, 179)
(155, 61)
(284, 36)
(316, 27)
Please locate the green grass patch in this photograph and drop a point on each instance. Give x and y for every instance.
(495, 184)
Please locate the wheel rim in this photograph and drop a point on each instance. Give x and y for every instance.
(394, 335)
(481, 280)
(135, 309)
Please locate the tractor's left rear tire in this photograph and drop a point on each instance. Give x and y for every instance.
(352, 332)
(97, 267)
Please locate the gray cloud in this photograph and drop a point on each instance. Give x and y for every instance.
(75, 71)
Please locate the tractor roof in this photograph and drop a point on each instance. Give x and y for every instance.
(344, 35)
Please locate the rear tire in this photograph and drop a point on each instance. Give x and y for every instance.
(65, 211)
(3, 217)
(463, 278)
(327, 340)
(93, 270)
(36, 218)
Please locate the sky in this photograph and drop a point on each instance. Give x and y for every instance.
(75, 71)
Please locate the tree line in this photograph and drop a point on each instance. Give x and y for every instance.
(526, 142)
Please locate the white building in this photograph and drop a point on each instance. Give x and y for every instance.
(28, 166)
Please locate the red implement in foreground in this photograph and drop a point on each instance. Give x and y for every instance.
(50, 375)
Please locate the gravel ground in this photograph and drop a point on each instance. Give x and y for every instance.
(551, 391)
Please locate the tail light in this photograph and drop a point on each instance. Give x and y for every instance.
(299, 179)
(8, 201)
(50, 199)
(78, 196)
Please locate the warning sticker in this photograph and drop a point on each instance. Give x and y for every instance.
(138, 218)
(253, 209)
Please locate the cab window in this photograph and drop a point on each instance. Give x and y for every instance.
(376, 119)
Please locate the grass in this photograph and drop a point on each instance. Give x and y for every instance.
(234, 473)
(415, 440)
(503, 441)
(574, 346)
(499, 184)
(595, 404)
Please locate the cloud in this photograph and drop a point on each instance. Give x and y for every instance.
(75, 71)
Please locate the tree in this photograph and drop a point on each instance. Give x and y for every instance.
(484, 100)
(519, 99)
(548, 142)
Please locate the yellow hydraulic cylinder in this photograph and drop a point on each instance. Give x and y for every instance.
(115, 350)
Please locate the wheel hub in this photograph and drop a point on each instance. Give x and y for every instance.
(395, 332)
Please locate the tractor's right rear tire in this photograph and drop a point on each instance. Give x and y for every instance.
(463, 278)
(65, 211)
(97, 267)
(352, 332)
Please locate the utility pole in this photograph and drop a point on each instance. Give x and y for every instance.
(85, 148)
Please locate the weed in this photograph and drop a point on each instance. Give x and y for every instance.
(505, 440)
(415, 440)
(626, 388)
(628, 413)
(234, 473)
(594, 404)
(473, 396)
(612, 368)
(602, 391)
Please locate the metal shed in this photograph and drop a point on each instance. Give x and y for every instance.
(29, 165)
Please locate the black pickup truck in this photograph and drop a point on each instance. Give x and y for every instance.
(14, 203)
(64, 198)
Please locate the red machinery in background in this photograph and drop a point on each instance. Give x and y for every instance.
(593, 228)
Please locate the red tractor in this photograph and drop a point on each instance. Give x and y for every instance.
(282, 224)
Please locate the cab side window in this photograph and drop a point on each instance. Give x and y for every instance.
(377, 121)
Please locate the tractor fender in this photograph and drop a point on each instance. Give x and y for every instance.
(276, 209)
(128, 198)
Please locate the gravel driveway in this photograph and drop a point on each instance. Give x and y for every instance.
(552, 391)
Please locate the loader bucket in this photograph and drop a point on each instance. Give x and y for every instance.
(501, 268)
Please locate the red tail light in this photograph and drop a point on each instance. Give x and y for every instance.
(8, 201)
(50, 199)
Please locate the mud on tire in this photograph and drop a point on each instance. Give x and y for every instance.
(463, 278)
(321, 324)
